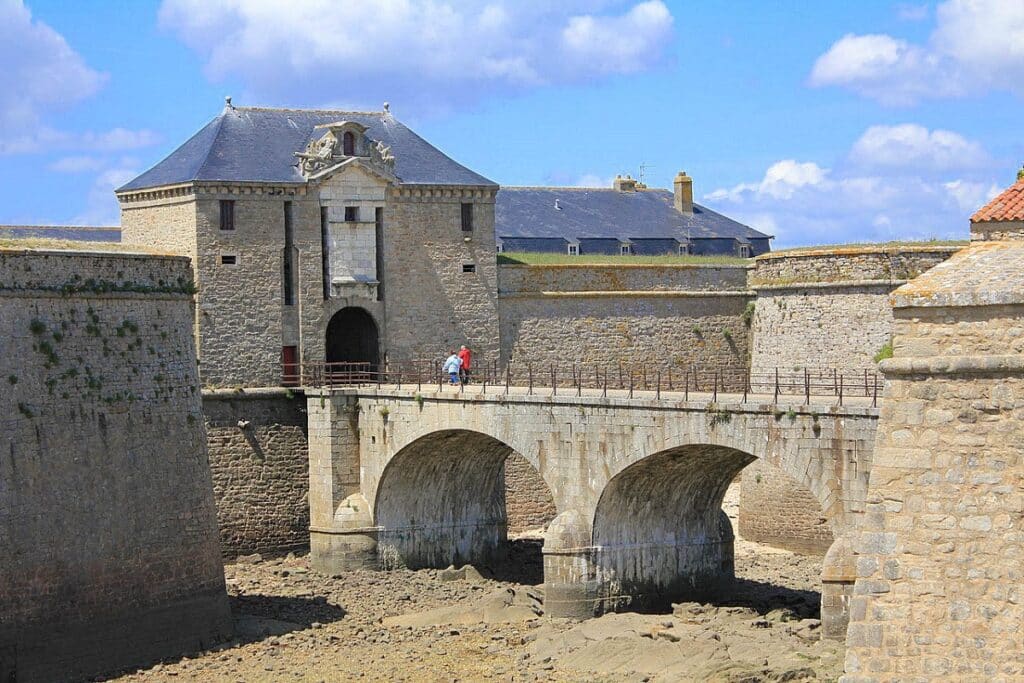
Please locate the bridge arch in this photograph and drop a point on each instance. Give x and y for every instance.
(659, 533)
(440, 500)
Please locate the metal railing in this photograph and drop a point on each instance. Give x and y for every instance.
(573, 378)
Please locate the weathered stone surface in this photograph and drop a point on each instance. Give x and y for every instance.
(936, 592)
(107, 521)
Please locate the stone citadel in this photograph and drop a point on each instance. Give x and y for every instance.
(936, 511)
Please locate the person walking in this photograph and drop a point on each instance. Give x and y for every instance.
(466, 357)
(451, 366)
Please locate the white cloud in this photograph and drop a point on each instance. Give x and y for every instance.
(44, 138)
(804, 203)
(593, 180)
(40, 74)
(421, 52)
(915, 147)
(76, 164)
(101, 206)
(976, 46)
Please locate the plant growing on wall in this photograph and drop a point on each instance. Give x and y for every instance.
(748, 314)
(884, 352)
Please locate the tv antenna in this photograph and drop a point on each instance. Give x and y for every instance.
(643, 171)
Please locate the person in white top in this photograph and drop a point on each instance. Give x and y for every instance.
(451, 366)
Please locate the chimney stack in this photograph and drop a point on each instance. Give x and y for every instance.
(626, 184)
(684, 193)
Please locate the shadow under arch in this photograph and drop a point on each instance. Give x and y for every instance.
(659, 532)
(441, 501)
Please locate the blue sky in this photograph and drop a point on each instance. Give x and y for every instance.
(816, 122)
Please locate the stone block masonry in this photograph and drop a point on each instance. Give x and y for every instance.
(259, 462)
(107, 520)
(777, 510)
(657, 315)
(938, 574)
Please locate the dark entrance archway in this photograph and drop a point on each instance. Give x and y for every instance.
(352, 337)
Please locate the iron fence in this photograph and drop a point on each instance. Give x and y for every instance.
(573, 378)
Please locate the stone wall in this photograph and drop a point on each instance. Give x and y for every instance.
(260, 466)
(829, 308)
(432, 305)
(528, 502)
(107, 520)
(937, 593)
(659, 315)
(777, 510)
(996, 230)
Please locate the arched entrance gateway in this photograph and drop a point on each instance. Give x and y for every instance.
(352, 337)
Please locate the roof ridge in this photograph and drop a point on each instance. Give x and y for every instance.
(582, 189)
(313, 111)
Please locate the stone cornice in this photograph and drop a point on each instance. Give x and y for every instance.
(953, 365)
(426, 193)
(628, 294)
(213, 188)
(839, 284)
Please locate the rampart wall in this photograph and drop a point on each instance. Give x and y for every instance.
(659, 315)
(107, 520)
(818, 308)
(259, 462)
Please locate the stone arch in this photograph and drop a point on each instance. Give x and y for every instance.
(778, 510)
(352, 336)
(659, 533)
(440, 500)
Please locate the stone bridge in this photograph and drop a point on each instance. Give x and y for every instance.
(399, 478)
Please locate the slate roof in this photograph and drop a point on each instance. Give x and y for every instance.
(252, 144)
(1008, 206)
(593, 212)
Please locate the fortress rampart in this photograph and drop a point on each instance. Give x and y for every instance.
(659, 315)
(107, 520)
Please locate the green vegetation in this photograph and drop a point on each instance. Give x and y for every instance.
(748, 314)
(884, 352)
(728, 335)
(539, 259)
(12, 379)
(894, 243)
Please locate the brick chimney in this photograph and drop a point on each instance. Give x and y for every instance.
(626, 184)
(684, 193)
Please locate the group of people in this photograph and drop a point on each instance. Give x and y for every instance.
(457, 366)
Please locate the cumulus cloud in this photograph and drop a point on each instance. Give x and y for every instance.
(805, 203)
(912, 146)
(593, 180)
(40, 74)
(976, 46)
(420, 52)
(101, 207)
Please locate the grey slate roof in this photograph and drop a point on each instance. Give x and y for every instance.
(592, 212)
(251, 144)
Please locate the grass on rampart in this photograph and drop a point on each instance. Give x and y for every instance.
(863, 245)
(46, 243)
(547, 259)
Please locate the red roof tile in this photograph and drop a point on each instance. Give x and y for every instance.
(1008, 206)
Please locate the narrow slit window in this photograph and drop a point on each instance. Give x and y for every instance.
(467, 217)
(227, 214)
(228, 260)
(468, 267)
(288, 267)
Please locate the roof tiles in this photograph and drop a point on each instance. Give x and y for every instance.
(1008, 206)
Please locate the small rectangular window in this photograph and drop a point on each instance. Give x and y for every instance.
(684, 249)
(351, 214)
(228, 259)
(745, 251)
(574, 250)
(501, 248)
(467, 217)
(624, 249)
(468, 267)
(227, 214)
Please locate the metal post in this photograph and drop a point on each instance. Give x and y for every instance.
(529, 374)
(657, 392)
(874, 399)
(686, 386)
(631, 383)
(620, 374)
(440, 377)
(840, 389)
(714, 396)
(508, 376)
(807, 387)
(776, 386)
(643, 370)
(746, 386)
(554, 381)
(670, 378)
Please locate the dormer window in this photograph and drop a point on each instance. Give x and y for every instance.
(348, 144)
(625, 249)
(574, 250)
(744, 251)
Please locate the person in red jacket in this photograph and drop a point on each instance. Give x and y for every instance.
(465, 355)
